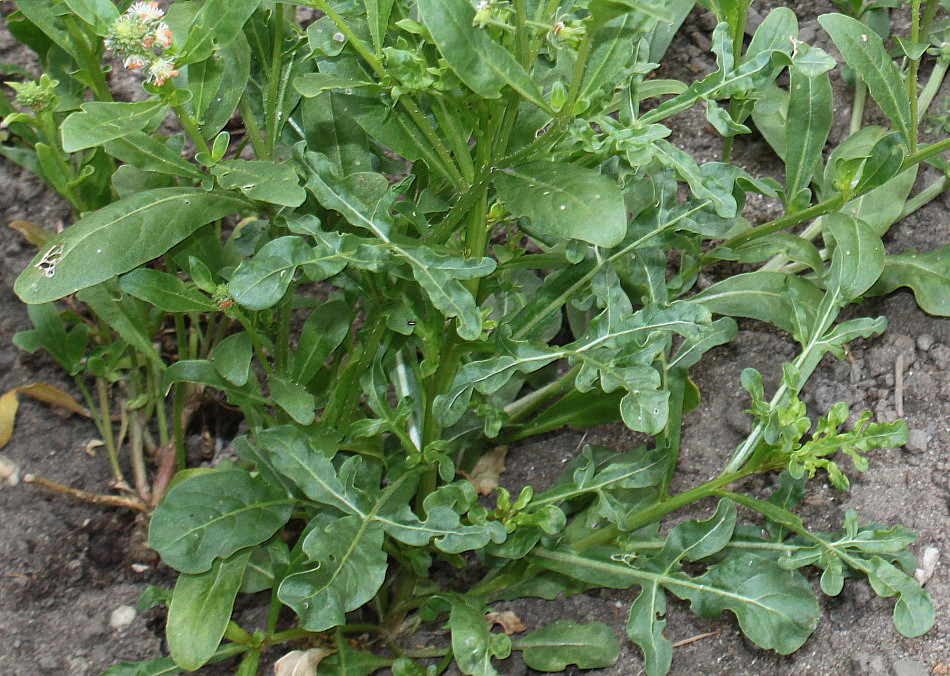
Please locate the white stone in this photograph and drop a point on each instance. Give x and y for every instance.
(122, 617)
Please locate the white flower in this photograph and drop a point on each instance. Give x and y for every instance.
(163, 35)
(146, 11)
(135, 62)
(160, 70)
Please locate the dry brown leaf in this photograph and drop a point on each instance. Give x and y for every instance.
(507, 620)
(941, 669)
(485, 473)
(8, 406)
(55, 396)
(10, 402)
(300, 662)
(34, 233)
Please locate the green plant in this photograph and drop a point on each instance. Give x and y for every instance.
(474, 217)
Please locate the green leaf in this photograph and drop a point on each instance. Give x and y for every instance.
(293, 398)
(99, 122)
(217, 84)
(149, 154)
(200, 610)
(117, 238)
(214, 515)
(482, 64)
(49, 333)
(565, 201)
(334, 193)
(857, 259)
(261, 180)
(786, 301)
(163, 666)
(439, 275)
(218, 22)
(232, 358)
(914, 613)
(881, 207)
(262, 281)
(472, 644)
(377, 15)
(329, 126)
(344, 568)
(314, 84)
(605, 10)
(128, 318)
(266, 566)
(610, 56)
(590, 646)
(775, 607)
(806, 132)
(322, 332)
(927, 274)
(703, 188)
(645, 626)
(97, 13)
(865, 53)
(165, 291)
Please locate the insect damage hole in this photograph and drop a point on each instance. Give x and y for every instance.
(49, 260)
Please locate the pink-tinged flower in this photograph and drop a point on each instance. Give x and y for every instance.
(146, 12)
(163, 35)
(135, 62)
(160, 70)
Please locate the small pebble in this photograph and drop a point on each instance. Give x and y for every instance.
(925, 341)
(917, 441)
(910, 668)
(122, 617)
(9, 472)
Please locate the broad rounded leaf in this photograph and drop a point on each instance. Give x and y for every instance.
(565, 201)
(117, 238)
(213, 515)
(165, 291)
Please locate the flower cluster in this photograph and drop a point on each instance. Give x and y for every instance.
(39, 96)
(141, 36)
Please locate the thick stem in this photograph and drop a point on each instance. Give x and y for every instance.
(89, 59)
(857, 110)
(658, 510)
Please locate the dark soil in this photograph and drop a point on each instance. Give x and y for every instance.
(66, 566)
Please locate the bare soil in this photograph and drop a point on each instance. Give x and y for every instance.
(66, 566)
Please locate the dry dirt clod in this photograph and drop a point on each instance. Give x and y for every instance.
(928, 564)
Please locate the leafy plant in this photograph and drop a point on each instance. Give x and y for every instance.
(440, 228)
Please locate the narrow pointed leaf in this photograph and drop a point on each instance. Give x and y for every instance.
(562, 643)
(865, 53)
(165, 291)
(807, 129)
(200, 610)
(482, 64)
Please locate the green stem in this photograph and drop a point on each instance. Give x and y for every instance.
(933, 86)
(924, 197)
(658, 510)
(105, 419)
(676, 379)
(519, 409)
(191, 128)
(857, 111)
(178, 427)
(911, 80)
(406, 101)
(255, 340)
(253, 129)
(90, 61)
(272, 107)
(48, 127)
